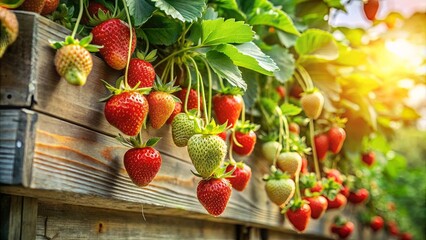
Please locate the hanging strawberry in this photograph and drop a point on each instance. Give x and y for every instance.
(244, 138)
(227, 106)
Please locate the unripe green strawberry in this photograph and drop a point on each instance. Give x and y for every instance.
(214, 194)
(271, 150)
(9, 29)
(74, 63)
(161, 106)
(182, 129)
(290, 162)
(207, 153)
(279, 188)
(312, 104)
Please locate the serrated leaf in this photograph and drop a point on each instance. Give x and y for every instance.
(274, 18)
(222, 65)
(289, 109)
(316, 45)
(219, 31)
(252, 91)
(182, 9)
(162, 30)
(285, 61)
(140, 10)
(249, 56)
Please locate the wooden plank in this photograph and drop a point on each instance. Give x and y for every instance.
(76, 222)
(16, 146)
(29, 218)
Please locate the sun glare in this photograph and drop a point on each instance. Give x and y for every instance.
(406, 51)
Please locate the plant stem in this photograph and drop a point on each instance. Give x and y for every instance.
(287, 133)
(175, 53)
(188, 89)
(231, 144)
(146, 42)
(314, 152)
(129, 53)
(209, 77)
(243, 111)
(200, 80)
(296, 181)
(300, 81)
(305, 75)
(80, 14)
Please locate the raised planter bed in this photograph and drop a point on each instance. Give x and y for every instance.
(59, 155)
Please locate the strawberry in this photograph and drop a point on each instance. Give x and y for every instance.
(142, 161)
(240, 177)
(405, 236)
(299, 216)
(93, 12)
(376, 223)
(193, 98)
(317, 187)
(271, 150)
(183, 128)
(343, 228)
(318, 205)
(223, 135)
(290, 162)
(176, 111)
(227, 107)
(294, 128)
(161, 103)
(368, 158)
(336, 137)
(214, 194)
(304, 168)
(335, 175)
(338, 202)
(9, 29)
(393, 228)
(141, 70)
(279, 188)
(127, 111)
(281, 91)
(321, 145)
(345, 191)
(370, 9)
(49, 7)
(312, 104)
(114, 35)
(33, 5)
(207, 150)
(296, 91)
(359, 196)
(245, 138)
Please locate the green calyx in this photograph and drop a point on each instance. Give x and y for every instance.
(137, 142)
(246, 127)
(340, 220)
(268, 137)
(294, 205)
(167, 88)
(209, 129)
(231, 91)
(219, 173)
(330, 188)
(308, 180)
(101, 16)
(150, 57)
(275, 174)
(120, 88)
(84, 42)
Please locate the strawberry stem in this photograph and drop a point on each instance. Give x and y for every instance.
(188, 89)
(77, 22)
(129, 53)
(165, 72)
(314, 152)
(296, 181)
(300, 80)
(234, 139)
(145, 38)
(305, 76)
(243, 111)
(287, 133)
(281, 130)
(176, 53)
(209, 77)
(231, 158)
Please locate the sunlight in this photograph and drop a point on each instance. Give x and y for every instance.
(406, 51)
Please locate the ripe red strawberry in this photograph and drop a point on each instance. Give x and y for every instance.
(393, 228)
(343, 230)
(338, 202)
(369, 158)
(335, 175)
(370, 9)
(318, 206)
(345, 191)
(33, 5)
(223, 135)
(214, 194)
(247, 140)
(294, 128)
(304, 168)
(282, 92)
(161, 104)
(296, 91)
(359, 196)
(336, 137)
(93, 10)
(193, 98)
(49, 6)
(405, 236)
(114, 35)
(376, 223)
(240, 177)
(317, 187)
(176, 111)
(321, 145)
(127, 112)
(141, 71)
(312, 104)
(9, 29)
(299, 216)
(227, 108)
(142, 164)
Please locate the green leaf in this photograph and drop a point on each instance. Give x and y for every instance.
(353, 35)
(337, 4)
(252, 91)
(274, 18)
(162, 31)
(285, 61)
(350, 57)
(290, 109)
(140, 10)
(316, 45)
(182, 9)
(219, 31)
(286, 39)
(250, 56)
(222, 65)
(228, 9)
(396, 163)
(268, 104)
